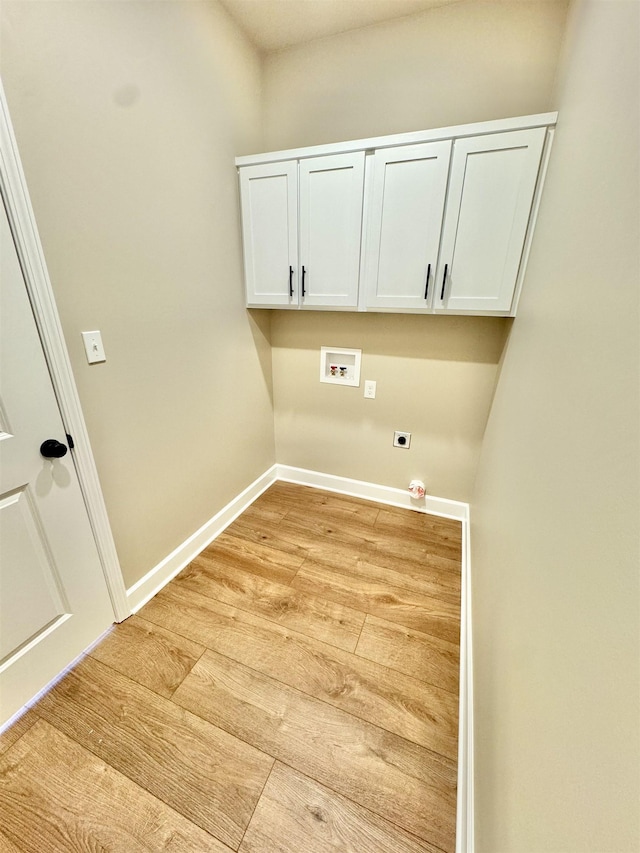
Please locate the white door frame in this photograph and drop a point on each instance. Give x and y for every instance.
(23, 225)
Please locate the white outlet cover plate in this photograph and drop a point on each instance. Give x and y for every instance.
(370, 389)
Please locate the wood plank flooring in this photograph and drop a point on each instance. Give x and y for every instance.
(295, 687)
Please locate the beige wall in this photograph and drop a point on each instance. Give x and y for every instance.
(469, 61)
(128, 116)
(466, 62)
(435, 378)
(556, 508)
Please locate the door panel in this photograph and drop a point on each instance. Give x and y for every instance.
(31, 601)
(409, 188)
(331, 193)
(53, 596)
(269, 196)
(493, 181)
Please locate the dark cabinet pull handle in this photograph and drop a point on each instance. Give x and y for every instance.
(426, 287)
(303, 275)
(290, 281)
(444, 280)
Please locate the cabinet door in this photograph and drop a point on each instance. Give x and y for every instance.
(409, 187)
(269, 200)
(331, 190)
(491, 190)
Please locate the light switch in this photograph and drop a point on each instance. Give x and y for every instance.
(370, 389)
(93, 347)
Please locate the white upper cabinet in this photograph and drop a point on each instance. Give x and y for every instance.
(331, 192)
(491, 190)
(436, 221)
(269, 199)
(409, 185)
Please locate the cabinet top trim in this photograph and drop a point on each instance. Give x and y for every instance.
(397, 139)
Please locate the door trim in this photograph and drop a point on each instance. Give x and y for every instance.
(13, 187)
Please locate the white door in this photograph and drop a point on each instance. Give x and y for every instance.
(331, 192)
(269, 200)
(53, 596)
(409, 188)
(491, 190)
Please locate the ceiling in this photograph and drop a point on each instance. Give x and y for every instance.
(276, 24)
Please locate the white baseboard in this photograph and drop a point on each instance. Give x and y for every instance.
(167, 569)
(153, 581)
(160, 575)
(373, 492)
(465, 795)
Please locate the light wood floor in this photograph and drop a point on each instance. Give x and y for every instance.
(294, 688)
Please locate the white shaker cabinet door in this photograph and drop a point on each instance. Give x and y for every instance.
(491, 191)
(405, 222)
(269, 198)
(331, 192)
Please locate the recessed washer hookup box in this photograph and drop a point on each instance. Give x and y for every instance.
(340, 366)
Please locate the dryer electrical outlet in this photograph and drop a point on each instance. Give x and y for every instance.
(402, 439)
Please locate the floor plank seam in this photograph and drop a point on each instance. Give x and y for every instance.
(317, 597)
(266, 782)
(170, 698)
(277, 681)
(275, 622)
(355, 651)
(315, 699)
(165, 800)
(8, 749)
(355, 803)
(422, 681)
(453, 693)
(297, 689)
(172, 806)
(298, 571)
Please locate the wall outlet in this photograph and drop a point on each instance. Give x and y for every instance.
(402, 439)
(370, 389)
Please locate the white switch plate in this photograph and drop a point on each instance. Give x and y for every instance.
(370, 389)
(93, 347)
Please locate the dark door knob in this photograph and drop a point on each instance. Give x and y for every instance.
(52, 449)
